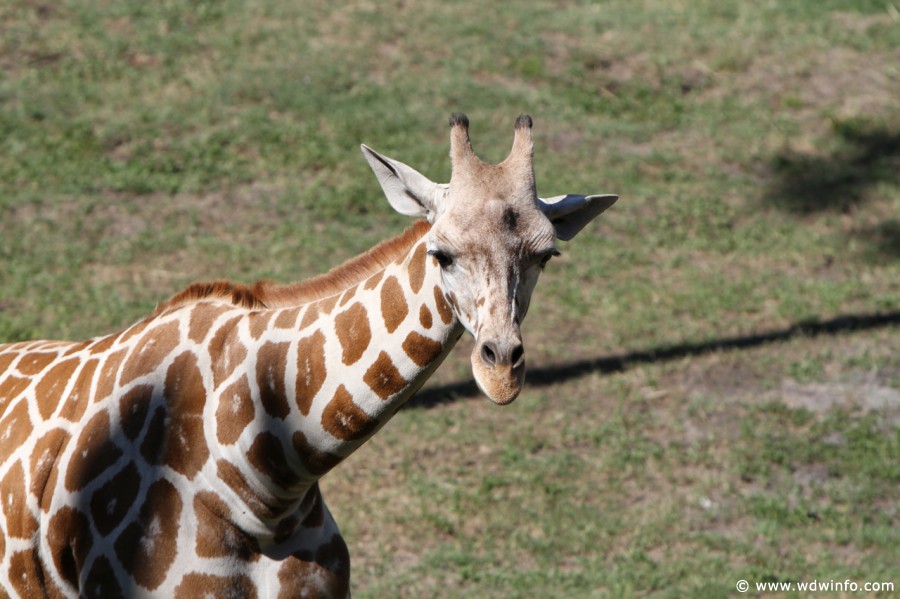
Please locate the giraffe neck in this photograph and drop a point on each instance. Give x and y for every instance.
(319, 380)
(215, 418)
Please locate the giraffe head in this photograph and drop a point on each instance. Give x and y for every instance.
(491, 235)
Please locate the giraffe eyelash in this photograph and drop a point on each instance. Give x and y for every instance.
(443, 259)
(546, 257)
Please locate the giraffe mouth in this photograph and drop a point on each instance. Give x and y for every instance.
(502, 383)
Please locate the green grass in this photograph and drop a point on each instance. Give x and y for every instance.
(755, 146)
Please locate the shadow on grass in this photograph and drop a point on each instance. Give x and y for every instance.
(865, 154)
(551, 375)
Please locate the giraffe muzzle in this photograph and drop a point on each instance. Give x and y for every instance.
(499, 369)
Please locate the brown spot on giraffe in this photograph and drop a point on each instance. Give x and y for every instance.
(101, 580)
(94, 453)
(353, 332)
(50, 388)
(112, 501)
(29, 582)
(43, 462)
(106, 380)
(148, 546)
(285, 529)
(383, 377)
(393, 304)
(297, 576)
(259, 322)
(14, 428)
(20, 522)
(6, 360)
(101, 345)
(345, 420)
(133, 409)
(80, 394)
(287, 319)
(12, 386)
(227, 351)
(347, 296)
(327, 305)
(211, 586)
(50, 485)
(217, 536)
(263, 506)
(309, 316)
(75, 348)
(70, 540)
(417, 268)
(420, 349)
(372, 282)
(311, 370)
(425, 317)
(150, 351)
(271, 360)
(314, 508)
(324, 572)
(34, 363)
(315, 461)
(234, 412)
(185, 444)
(267, 455)
(134, 330)
(202, 318)
(155, 439)
(443, 308)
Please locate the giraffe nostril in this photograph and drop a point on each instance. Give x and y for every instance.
(518, 353)
(488, 354)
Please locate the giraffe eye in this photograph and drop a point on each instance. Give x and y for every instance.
(443, 259)
(546, 258)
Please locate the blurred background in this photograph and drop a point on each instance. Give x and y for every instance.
(714, 387)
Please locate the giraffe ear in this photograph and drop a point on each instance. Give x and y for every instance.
(410, 192)
(570, 213)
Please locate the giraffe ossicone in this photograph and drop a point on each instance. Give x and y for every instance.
(181, 456)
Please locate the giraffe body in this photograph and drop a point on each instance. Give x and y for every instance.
(181, 457)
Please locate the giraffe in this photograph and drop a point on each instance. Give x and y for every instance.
(181, 456)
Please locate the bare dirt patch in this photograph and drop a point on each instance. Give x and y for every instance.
(763, 375)
(128, 215)
(839, 81)
(216, 211)
(864, 391)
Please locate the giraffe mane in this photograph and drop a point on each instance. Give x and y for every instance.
(267, 294)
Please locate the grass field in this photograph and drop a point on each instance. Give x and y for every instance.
(715, 364)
